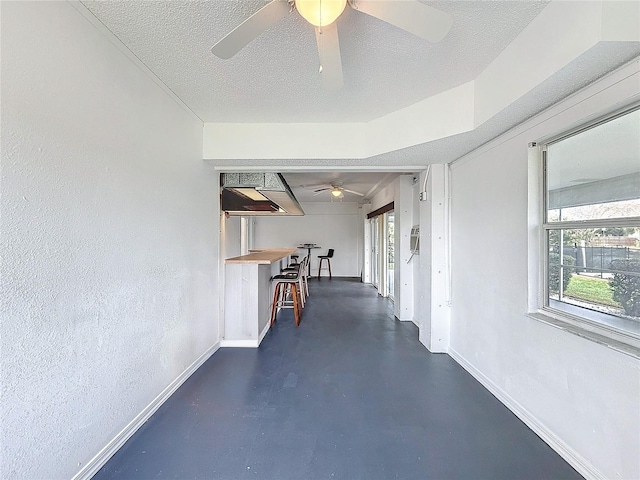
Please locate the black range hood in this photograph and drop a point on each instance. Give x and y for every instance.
(257, 194)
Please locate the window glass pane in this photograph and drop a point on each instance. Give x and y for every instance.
(595, 269)
(390, 253)
(375, 251)
(623, 209)
(596, 173)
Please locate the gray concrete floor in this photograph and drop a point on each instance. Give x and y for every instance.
(350, 394)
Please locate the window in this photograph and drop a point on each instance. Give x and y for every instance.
(591, 226)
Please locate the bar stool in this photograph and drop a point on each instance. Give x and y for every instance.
(304, 277)
(284, 284)
(322, 258)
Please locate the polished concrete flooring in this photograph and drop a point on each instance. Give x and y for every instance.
(350, 394)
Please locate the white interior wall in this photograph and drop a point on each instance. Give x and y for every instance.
(582, 397)
(109, 241)
(403, 268)
(384, 196)
(417, 284)
(329, 224)
(232, 237)
(422, 263)
(434, 236)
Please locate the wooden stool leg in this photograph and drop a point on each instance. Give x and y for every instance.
(301, 289)
(274, 305)
(296, 306)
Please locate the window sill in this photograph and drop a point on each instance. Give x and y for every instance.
(624, 342)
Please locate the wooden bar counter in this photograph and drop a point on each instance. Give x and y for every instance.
(263, 257)
(247, 295)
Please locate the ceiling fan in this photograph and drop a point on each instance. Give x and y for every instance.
(336, 190)
(412, 16)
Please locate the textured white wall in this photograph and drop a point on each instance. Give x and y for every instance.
(384, 196)
(585, 395)
(109, 241)
(331, 225)
(231, 237)
(403, 268)
(434, 237)
(422, 263)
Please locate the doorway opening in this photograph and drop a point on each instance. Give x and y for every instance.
(390, 256)
(382, 234)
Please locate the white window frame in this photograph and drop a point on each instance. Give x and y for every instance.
(606, 334)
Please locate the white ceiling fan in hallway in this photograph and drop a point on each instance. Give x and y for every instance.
(412, 16)
(336, 190)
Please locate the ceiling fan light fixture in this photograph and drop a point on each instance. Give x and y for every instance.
(320, 13)
(336, 192)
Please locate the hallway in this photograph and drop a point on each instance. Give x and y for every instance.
(350, 394)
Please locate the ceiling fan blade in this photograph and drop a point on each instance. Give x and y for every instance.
(251, 28)
(351, 191)
(329, 52)
(322, 190)
(410, 15)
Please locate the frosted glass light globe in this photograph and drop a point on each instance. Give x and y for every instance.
(320, 12)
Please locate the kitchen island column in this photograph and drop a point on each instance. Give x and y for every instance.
(247, 295)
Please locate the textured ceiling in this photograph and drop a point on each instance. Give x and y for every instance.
(275, 78)
(304, 184)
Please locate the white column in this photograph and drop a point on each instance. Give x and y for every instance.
(434, 317)
(403, 269)
(366, 253)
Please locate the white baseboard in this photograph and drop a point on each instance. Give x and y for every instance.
(573, 458)
(264, 332)
(239, 343)
(245, 343)
(96, 463)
